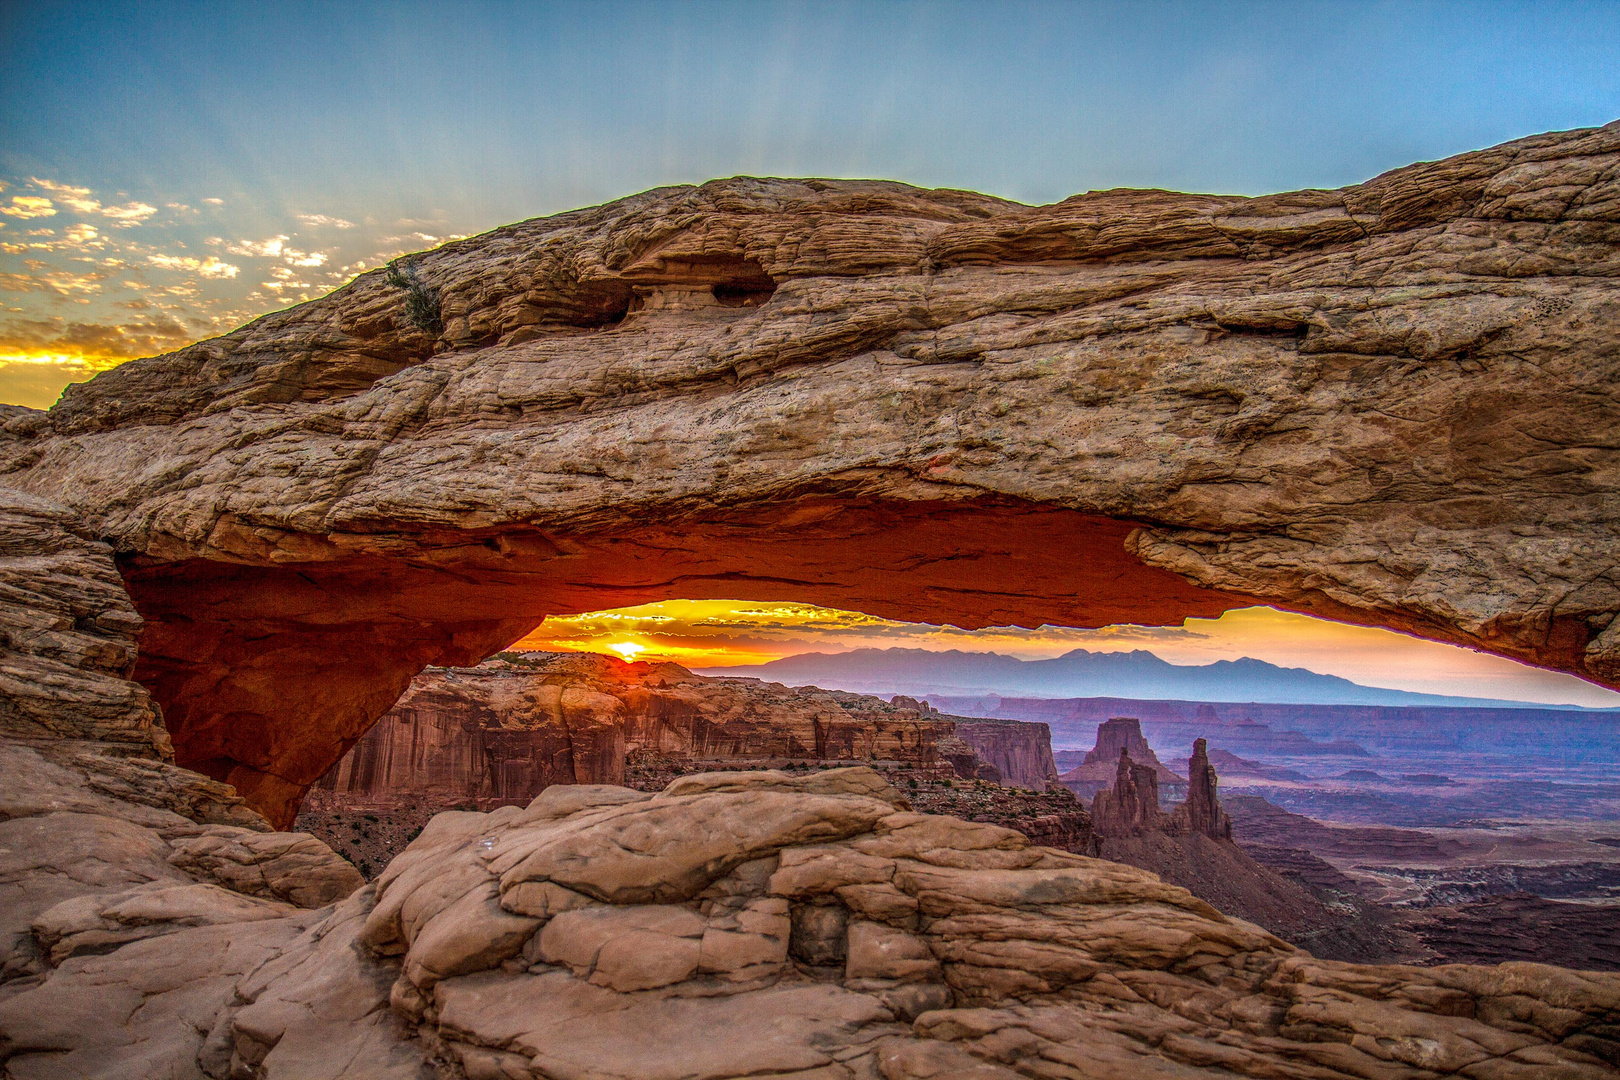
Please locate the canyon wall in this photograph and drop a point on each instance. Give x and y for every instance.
(1116, 736)
(505, 730)
(1020, 752)
(1388, 404)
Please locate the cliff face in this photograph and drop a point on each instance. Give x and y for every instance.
(928, 405)
(1021, 752)
(507, 729)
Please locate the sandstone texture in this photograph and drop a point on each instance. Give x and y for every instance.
(104, 842)
(507, 729)
(500, 733)
(1020, 752)
(1392, 403)
(760, 925)
(735, 924)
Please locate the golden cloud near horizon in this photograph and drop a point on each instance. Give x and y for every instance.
(734, 633)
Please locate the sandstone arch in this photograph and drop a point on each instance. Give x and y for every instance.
(1394, 404)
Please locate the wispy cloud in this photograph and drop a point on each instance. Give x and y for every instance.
(29, 206)
(323, 221)
(82, 200)
(129, 214)
(263, 249)
(61, 282)
(121, 259)
(75, 198)
(273, 248)
(208, 268)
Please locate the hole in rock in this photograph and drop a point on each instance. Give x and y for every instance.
(600, 303)
(743, 294)
(268, 674)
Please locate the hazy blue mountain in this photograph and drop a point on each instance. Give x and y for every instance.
(1081, 673)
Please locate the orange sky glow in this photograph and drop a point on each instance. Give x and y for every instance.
(723, 633)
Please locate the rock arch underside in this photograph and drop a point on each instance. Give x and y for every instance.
(1395, 404)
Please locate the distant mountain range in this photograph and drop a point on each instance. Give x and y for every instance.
(1082, 673)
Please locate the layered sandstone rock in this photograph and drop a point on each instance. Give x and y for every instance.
(509, 728)
(1021, 752)
(760, 924)
(734, 924)
(504, 731)
(1388, 404)
(103, 840)
(1120, 735)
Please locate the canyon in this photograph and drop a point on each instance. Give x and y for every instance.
(155, 926)
(505, 730)
(1390, 404)
(501, 733)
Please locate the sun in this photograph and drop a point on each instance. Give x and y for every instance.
(627, 649)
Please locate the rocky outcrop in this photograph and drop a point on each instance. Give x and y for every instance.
(1020, 752)
(734, 924)
(103, 840)
(1117, 736)
(1132, 805)
(1203, 809)
(759, 924)
(507, 729)
(1191, 845)
(1375, 404)
(76, 733)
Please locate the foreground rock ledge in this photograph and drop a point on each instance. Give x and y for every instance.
(1393, 403)
(761, 925)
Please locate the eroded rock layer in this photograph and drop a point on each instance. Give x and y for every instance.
(507, 729)
(103, 840)
(1392, 403)
(737, 924)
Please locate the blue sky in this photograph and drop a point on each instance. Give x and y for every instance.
(172, 170)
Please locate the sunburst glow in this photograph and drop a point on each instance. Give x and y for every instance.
(628, 649)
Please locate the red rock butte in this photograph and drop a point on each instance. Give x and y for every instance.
(1392, 404)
